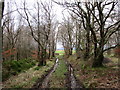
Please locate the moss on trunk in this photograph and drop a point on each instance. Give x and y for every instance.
(97, 61)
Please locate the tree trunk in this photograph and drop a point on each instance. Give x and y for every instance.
(49, 54)
(87, 50)
(1, 31)
(0, 34)
(42, 58)
(78, 49)
(38, 56)
(70, 51)
(98, 58)
(52, 52)
(98, 61)
(53, 49)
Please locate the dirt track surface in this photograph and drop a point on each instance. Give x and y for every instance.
(46, 80)
(72, 82)
(43, 81)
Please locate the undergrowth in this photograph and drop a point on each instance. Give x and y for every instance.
(13, 67)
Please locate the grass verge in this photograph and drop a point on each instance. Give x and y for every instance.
(28, 78)
(14, 67)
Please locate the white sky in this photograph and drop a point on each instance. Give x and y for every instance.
(30, 3)
(57, 9)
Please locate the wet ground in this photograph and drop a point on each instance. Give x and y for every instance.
(72, 81)
(46, 80)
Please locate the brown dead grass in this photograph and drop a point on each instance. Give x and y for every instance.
(106, 77)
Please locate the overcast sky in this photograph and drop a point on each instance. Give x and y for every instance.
(57, 9)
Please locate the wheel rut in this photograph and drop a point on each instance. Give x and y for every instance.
(73, 82)
(46, 80)
(43, 81)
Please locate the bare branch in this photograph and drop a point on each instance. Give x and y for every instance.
(111, 48)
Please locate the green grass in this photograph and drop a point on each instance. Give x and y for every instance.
(59, 51)
(28, 78)
(73, 51)
(62, 52)
(61, 70)
(13, 67)
(58, 77)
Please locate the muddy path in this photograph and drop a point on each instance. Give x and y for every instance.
(46, 80)
(73, 82)
(43, 81)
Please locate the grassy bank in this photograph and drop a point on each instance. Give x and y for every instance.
(27, 79)
(14, 67)
(103, 77)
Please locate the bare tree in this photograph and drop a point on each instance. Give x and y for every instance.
(41, 27)
(1, 36)
(105, 32)
(1, 31)
(10, 33)
(96, 21)
(67, 36)
(41, 55)
(52, 41)
(50, 29)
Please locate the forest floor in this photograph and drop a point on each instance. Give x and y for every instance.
(103, 77)
(67, 73)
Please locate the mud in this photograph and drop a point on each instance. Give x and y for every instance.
(73, 82)
(43, 81)
(46, 80)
